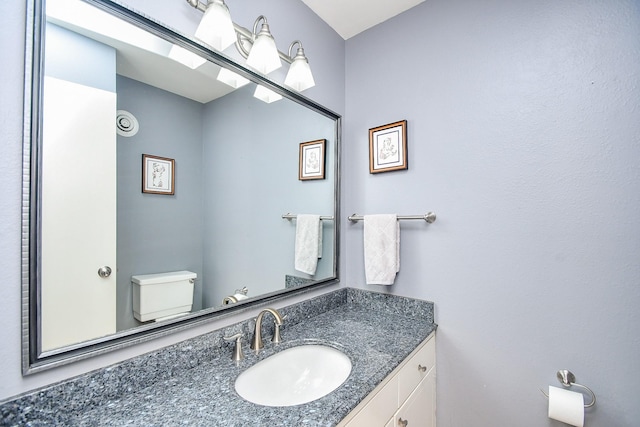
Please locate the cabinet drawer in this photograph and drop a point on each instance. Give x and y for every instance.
(416, 369)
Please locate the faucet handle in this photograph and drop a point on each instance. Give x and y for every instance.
(276, 333)
(237, 349)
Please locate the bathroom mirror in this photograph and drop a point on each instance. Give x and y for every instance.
(137, 164)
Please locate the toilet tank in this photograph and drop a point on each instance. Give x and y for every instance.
(160, 295)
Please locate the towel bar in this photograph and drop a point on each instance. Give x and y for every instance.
(291, 216)
(430, 217)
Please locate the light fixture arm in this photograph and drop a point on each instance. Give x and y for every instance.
(244, 34)
(255, 25)
(196, 3)
(299, 53)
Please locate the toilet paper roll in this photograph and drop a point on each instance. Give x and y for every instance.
(240, 297)
(234, 298)
(566, 406)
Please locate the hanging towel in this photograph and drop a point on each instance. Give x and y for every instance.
(308, 243)
(381, 248)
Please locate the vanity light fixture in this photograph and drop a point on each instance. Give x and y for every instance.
(263, 55)
(299, 76)
(185, 57)
(257, 47)
(216, 28)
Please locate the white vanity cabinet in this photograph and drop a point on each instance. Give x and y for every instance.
(419, 409)
(408, 394)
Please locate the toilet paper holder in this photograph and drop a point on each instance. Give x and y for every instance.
(567, 379)
(237, 296)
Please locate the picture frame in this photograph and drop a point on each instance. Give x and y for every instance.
(388, 147)
(158, 175)
(312, 160)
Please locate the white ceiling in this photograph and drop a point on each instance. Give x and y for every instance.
(351, 17)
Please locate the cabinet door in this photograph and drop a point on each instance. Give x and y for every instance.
(382, 406)
(419, 409)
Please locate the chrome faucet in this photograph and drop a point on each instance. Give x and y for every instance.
(256, 341)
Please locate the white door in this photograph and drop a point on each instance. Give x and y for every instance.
(78, 213)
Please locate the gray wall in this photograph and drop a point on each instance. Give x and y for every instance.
(524, 139)
(158, 233)
(327, 60)
(250, 163)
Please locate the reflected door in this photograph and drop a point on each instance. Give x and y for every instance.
(78, 213)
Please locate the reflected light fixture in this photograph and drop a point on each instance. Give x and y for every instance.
(186, 57)
(266, 95)
(232, 79)
(216, 28)
(257, 47)
(299, 76)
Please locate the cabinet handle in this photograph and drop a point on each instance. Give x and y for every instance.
(402, 423)
(422, 368)
(104, 272)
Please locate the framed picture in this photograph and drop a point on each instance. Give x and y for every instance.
(388, 147)
(158, 175)
(312, 155)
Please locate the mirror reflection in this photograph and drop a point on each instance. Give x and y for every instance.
(162, 189)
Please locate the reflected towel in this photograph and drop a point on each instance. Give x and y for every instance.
(308, 243)
(381, 248)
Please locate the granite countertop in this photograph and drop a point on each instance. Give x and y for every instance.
(376, 331)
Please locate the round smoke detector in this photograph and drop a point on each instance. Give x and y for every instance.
(126, 123)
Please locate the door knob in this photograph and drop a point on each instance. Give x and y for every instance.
(104, 272)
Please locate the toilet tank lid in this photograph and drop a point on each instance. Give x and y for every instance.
(172, 276)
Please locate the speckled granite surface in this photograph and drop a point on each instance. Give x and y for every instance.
(191, 383)
(295, 281)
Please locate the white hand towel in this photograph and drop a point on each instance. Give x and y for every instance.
(308, 243)
(381, 248)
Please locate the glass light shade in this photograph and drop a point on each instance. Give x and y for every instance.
(266, 95)
(186, 57)
(263, 56)
(299, 76)
(216, 28)
(232, 79)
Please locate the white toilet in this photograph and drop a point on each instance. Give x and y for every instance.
(163, 295)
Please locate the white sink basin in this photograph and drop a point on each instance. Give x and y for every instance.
(294, 376)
